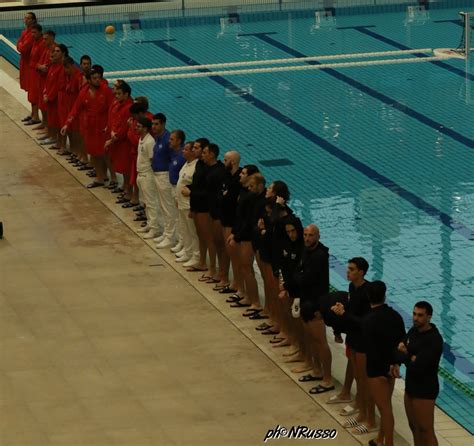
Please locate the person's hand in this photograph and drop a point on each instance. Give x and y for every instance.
(413, 358)
(280, 200)
(185, 191)
(130, 121)
(45, 99)
(402, 348)
(261, 224)
(108, 143)
(283, 294)
(395, 371)
(42, 68)
(338, 309)
(64, 131)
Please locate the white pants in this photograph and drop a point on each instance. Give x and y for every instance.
(166, 200)
(190, 238)
(149, 195)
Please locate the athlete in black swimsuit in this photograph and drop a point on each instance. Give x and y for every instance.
(383, 330)
(421, 353)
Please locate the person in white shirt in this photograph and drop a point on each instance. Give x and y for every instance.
(145, 178)
(189, 256)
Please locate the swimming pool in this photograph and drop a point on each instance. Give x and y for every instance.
(381, 157)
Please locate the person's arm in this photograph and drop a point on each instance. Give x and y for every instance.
(25, 43)
(427, 358)
(53, 84)
(120, 127)
(149, 145)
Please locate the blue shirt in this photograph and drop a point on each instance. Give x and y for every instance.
(161, 153)
(177, 161)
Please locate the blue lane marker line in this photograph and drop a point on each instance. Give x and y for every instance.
(373, 93)
(401, 46)
(346, 158)
(460, 362)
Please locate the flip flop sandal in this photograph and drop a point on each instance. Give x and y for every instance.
(350, 422)
(112, 185)
(212, 280)
(128, 205)
(263, 327)
(320, 389)
(276, 340)
(234, 298)
(336, 400)
(193, 269)
(348, 411)
(31, 122)
(362, 429)
(227, 290)
(239, 304)
(269, 331)
(94, 184)
(204, 278)
(219, 287)
(26, 118)
(251, 312)
(258, 316)
(309, 377)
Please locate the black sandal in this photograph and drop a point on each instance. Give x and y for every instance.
(94, 184)
(263, 327)
(128, 205)
(251, 312)
(234, 298)
(269, 331)
(238, 304)
(309, 377)
(258, 316)
(227, 290)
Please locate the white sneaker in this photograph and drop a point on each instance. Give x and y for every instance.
(177, 248)
(143, 230)
(159, 239)
(191, 262)
(149, 235)
(165, 243)
(181, 253)
(183, 259)
(47, 142)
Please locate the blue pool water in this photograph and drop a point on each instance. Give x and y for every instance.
(381, 158)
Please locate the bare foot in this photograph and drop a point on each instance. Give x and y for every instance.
(302, 368)
(283, 343)
(293, 359)
(291, 352)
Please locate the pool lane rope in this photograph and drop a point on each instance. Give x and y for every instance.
(268, 62)
(282, 69)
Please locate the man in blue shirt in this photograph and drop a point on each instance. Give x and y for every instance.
(160, 165)
(177, 160)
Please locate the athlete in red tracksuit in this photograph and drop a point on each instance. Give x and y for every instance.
(94, 104)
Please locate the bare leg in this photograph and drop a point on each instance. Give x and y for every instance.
(233, 253)
(200, 222)
(318, 332)
(251, 288)
(223, 258)
(424, 415)
(412, 421)
(381, 389)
